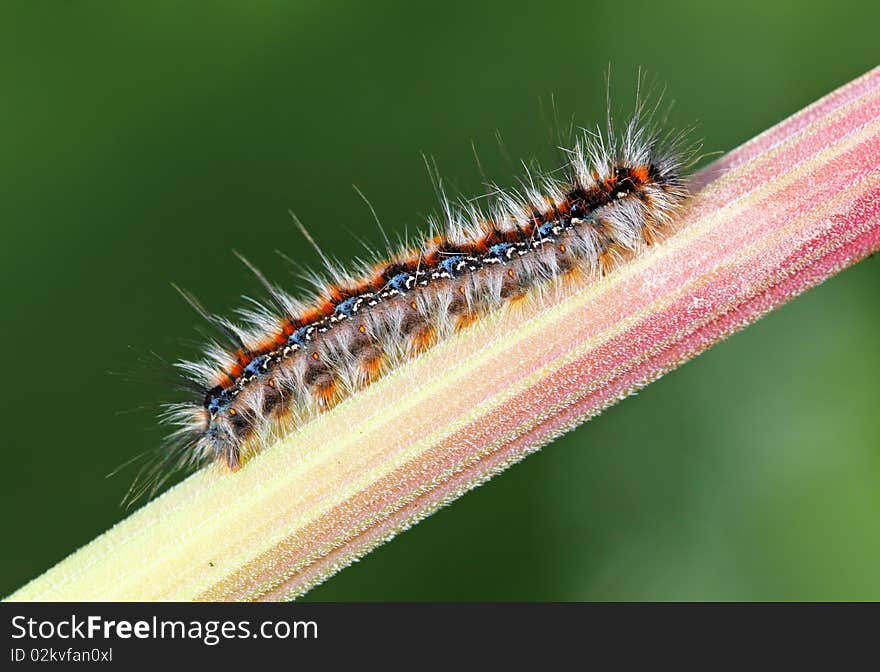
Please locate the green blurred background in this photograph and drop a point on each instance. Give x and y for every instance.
(141, 142)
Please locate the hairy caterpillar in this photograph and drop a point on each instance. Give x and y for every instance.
(294, 357)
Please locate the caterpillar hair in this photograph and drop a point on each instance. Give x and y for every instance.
(284, 361)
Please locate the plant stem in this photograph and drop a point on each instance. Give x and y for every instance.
(773, 218)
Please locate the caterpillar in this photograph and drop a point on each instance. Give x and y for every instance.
(290, 358)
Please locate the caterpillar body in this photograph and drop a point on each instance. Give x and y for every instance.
(299, 356)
